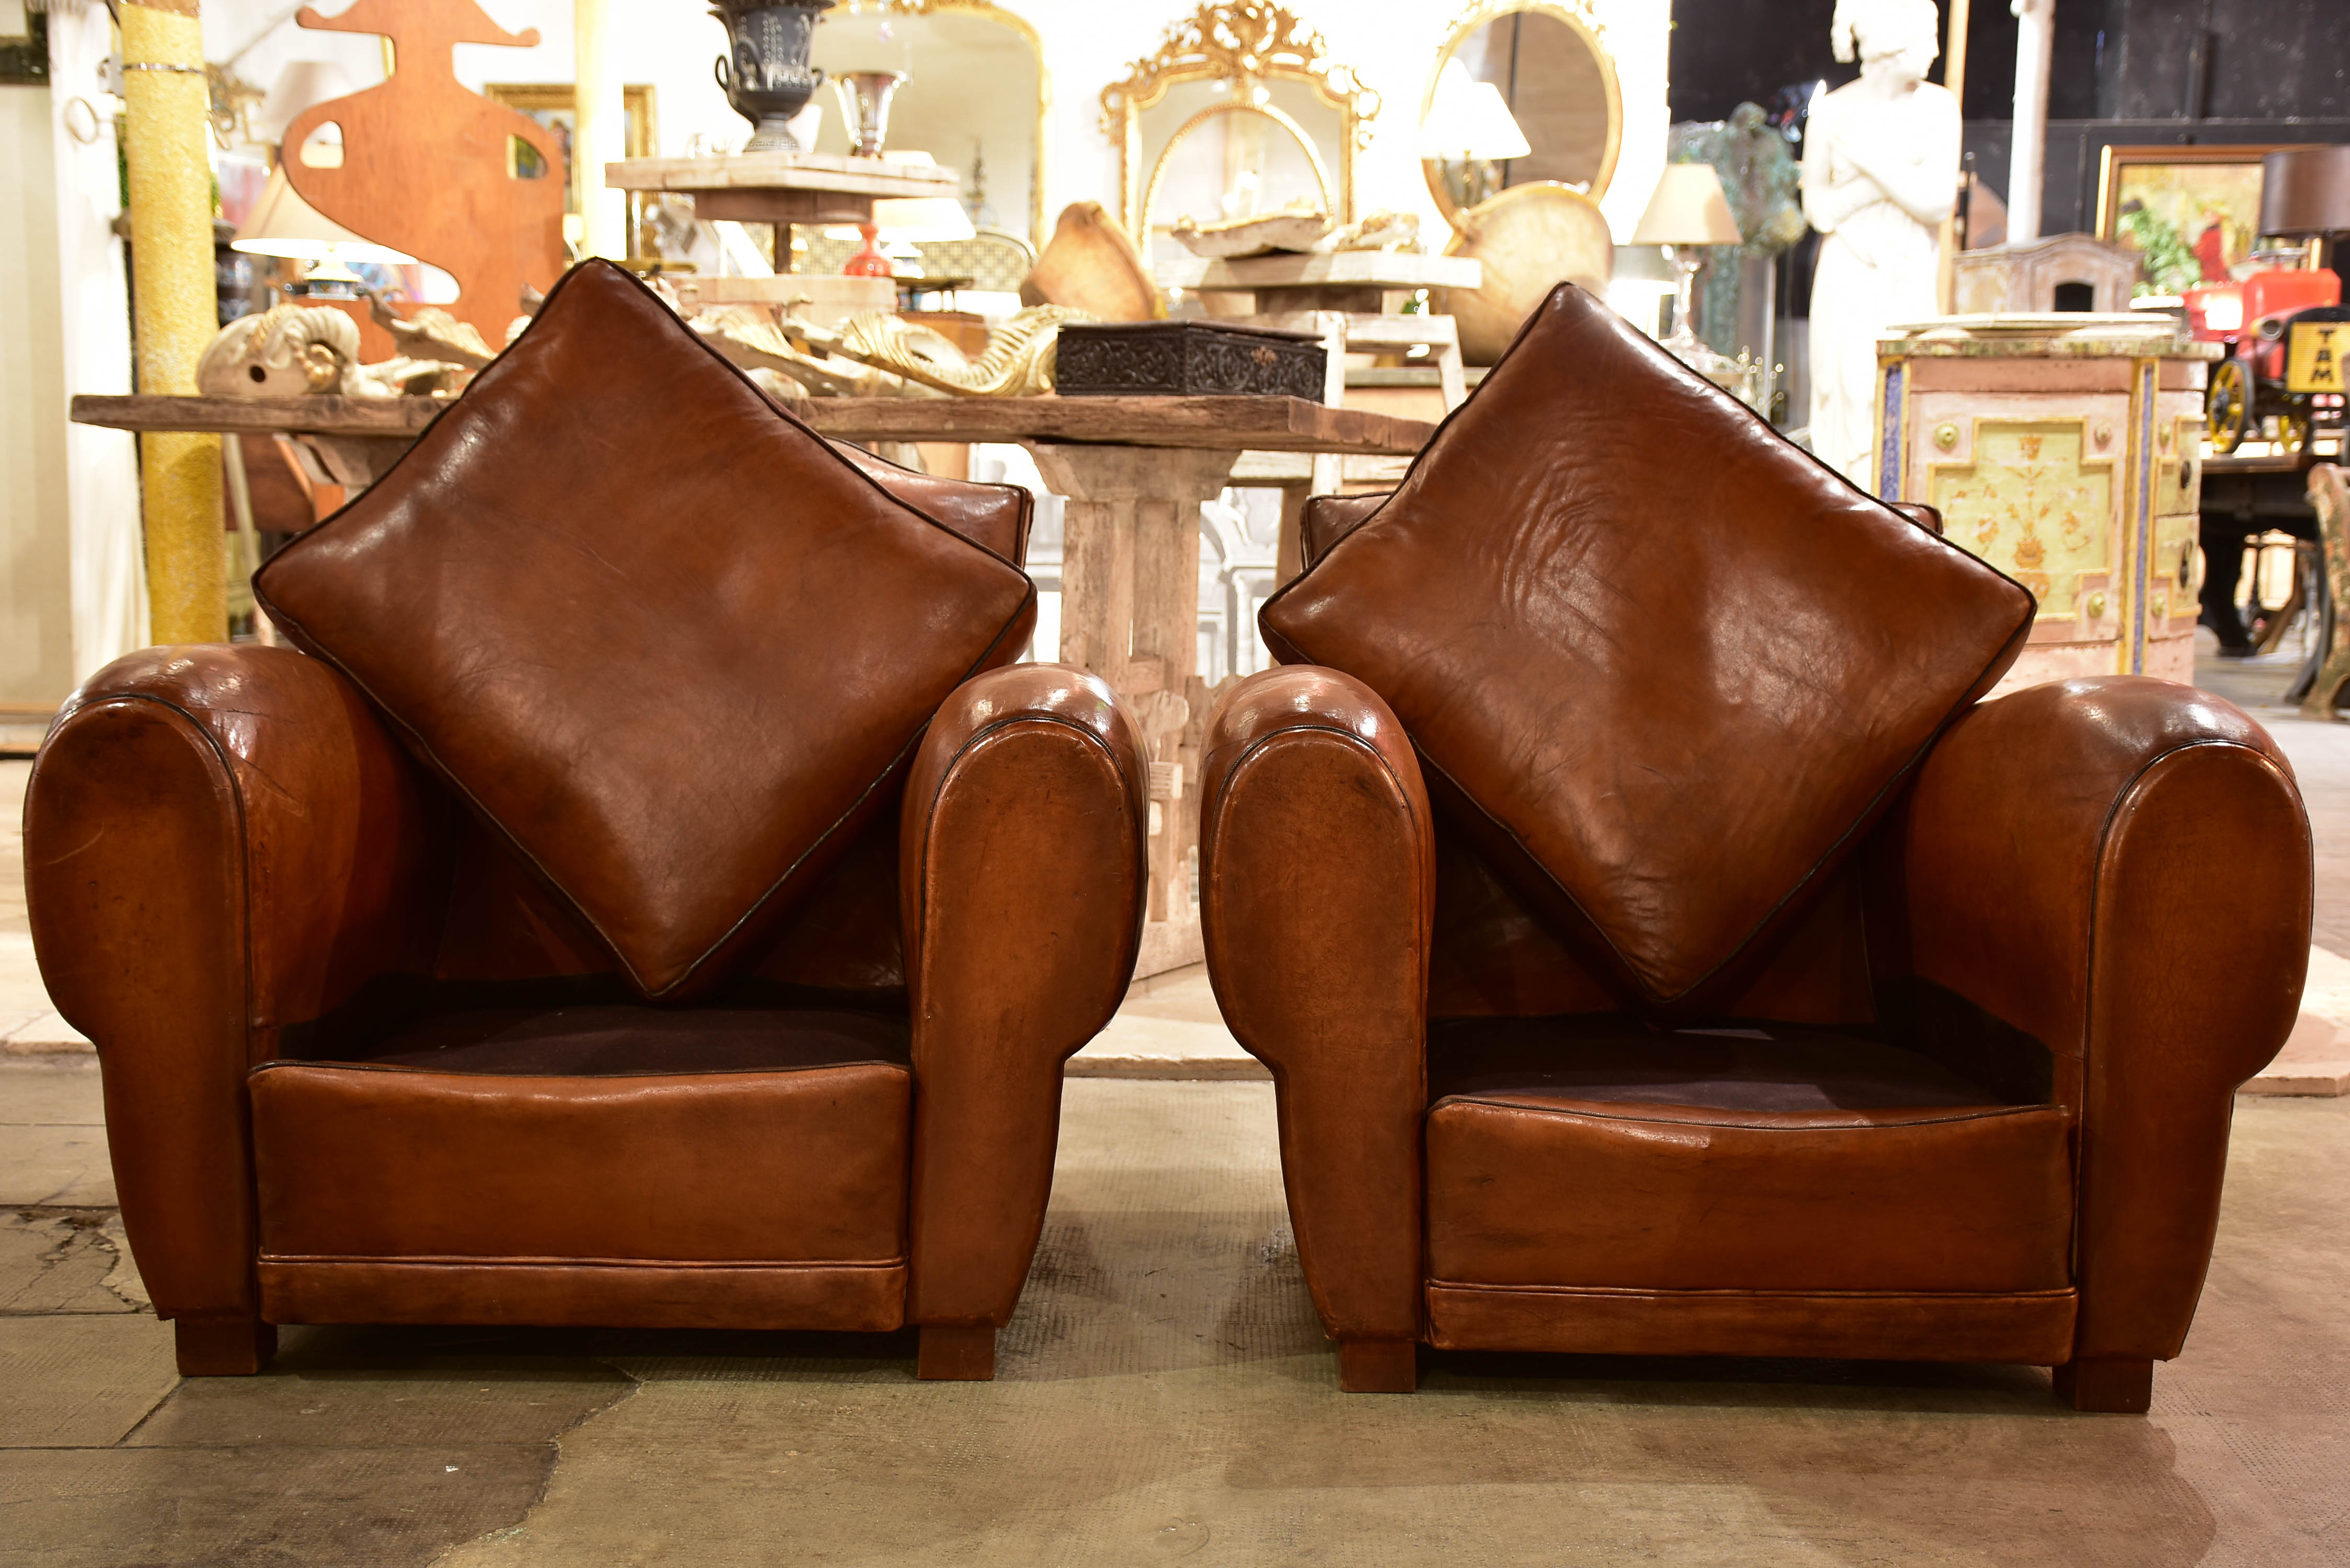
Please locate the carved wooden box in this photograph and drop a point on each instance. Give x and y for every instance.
(1189, 359)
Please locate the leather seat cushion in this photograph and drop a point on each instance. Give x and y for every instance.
(1587, 1154)
(664, 638)
(1732, 1067)
(1662, 663)
(613, 1134)
(589, 1041)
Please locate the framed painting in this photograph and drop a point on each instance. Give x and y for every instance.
(2193, 212)
(554, 106)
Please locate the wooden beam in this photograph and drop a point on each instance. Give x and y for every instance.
(1225, 424)
(1222, 424)
(150, 413)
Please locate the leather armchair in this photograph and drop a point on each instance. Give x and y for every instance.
(1972, 1105)
(360, 1067)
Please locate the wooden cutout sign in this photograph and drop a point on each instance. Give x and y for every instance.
(427, 167)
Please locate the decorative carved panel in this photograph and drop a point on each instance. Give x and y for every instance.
(2029, 503)
(2171, 577)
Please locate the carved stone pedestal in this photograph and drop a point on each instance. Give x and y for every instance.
(1131, 613)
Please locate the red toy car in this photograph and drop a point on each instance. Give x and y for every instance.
(2288, 342)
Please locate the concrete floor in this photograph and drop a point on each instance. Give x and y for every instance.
(1163, 1393)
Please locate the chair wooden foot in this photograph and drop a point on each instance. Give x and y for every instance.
(1378, 1365)
(223, 1346)
(2116, 1385)
(957, 1352)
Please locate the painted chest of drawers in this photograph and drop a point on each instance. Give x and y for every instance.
(2065, 450)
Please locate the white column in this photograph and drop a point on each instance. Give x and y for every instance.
(2035, 38)
(601, 134)
(108, 572)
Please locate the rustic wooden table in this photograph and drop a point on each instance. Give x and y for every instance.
(1352, 300)
(1359, 281)
(1133, 470)
(782, 187)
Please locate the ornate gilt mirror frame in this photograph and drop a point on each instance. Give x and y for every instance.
(1038, 230)
(1580, 17)
(1244, 42)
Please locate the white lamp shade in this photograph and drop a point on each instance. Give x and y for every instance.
(300, 85)
(1688, 209)
(1470, 120)
(924, 218)
(283, 225)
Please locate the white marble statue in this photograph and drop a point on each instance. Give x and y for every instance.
(1880, 173)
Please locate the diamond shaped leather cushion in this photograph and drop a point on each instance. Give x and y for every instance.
(657, 633)
(1663, 664)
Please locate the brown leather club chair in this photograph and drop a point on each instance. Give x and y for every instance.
(363, 1062)
(1627, 997)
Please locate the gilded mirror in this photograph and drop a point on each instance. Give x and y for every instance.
(1233, 159)
(1240, 112)
(976, 96)
(1524, 92)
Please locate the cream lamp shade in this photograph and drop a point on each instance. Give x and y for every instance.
(283, 225)
(1470, 120)
(924, 218)
(1688, 209)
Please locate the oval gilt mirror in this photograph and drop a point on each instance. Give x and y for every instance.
(1523, 93)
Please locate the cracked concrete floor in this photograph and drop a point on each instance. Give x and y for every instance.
(1164, 1393)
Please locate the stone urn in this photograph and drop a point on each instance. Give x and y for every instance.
(766, 72)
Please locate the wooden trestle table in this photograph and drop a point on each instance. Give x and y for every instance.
(1134, 472)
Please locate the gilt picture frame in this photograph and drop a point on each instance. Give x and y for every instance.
(2191, 213)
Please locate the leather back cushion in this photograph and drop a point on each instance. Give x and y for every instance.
(1330, 518)
(995, 516)
(1663, 666)
(664, 640)
(1492, 957)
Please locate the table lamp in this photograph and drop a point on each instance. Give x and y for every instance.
(1687, 210)
(1470, 123)
(283, 225)
(2305, 194)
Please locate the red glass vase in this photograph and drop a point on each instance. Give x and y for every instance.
(868, 262)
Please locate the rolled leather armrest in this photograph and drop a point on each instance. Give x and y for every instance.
(1318, 897)
(1023, 881)
(218, 841)
(2119, 867)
